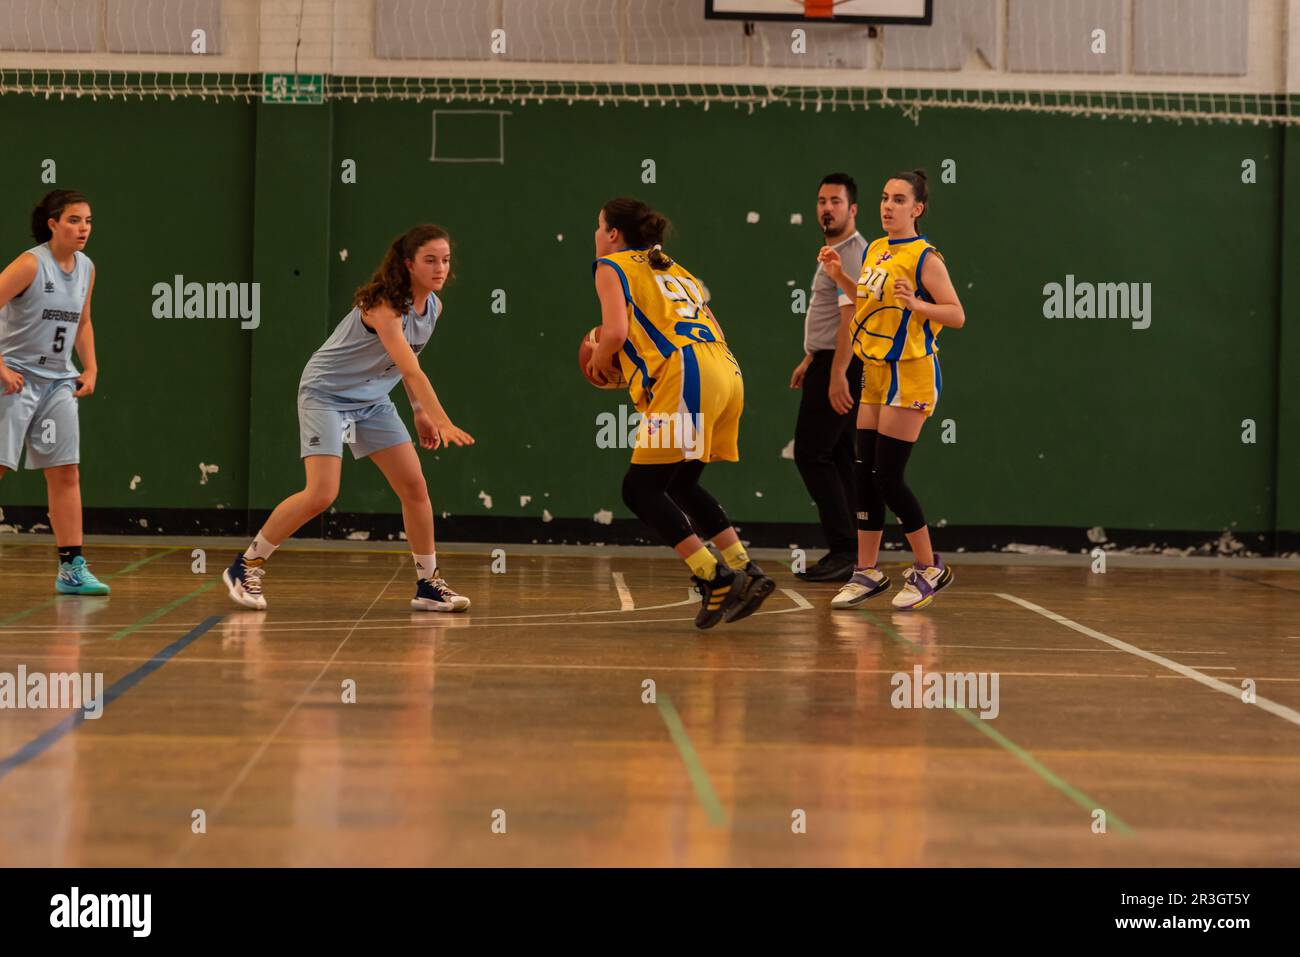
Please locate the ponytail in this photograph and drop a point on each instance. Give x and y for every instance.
(658, 258)
(641, 227)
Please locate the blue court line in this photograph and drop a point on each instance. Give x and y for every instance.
(39, 745)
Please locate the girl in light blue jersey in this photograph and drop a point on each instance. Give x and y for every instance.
(343, 400)
(44, 315)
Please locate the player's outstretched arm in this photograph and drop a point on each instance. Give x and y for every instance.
(388, 325)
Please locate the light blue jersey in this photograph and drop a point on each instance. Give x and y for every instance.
(352, 369)
(38, 327)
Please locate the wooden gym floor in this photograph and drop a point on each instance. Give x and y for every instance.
(1120, 694)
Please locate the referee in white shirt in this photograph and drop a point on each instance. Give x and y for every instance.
(823, 438)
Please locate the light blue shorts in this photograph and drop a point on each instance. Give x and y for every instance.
(44, 416)
(369, 430)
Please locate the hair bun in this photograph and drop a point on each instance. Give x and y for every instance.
(921, 173)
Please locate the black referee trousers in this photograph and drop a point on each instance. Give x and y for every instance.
(823, 450)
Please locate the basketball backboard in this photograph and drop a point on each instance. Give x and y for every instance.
(822, 11)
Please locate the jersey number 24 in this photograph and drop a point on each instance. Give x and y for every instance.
(873, 283)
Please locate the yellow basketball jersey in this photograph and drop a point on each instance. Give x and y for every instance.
(883, 328)
(665, 311)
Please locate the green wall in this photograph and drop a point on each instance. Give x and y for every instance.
(1058, 422)
(171, 185)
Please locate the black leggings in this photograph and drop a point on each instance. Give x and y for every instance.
(879, 473)
(670, 500)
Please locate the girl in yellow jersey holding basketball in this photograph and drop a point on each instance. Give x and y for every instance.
(687, 386)
(904, 297)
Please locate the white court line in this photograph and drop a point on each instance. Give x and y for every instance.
(534, 666)
(624, 596)
(1272, 707)
(1172, 651)
(798, 600)
(289, 623)
(465, 621)
(800, 604)
(266, 742)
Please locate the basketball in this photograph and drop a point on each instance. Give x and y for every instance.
(588, 345)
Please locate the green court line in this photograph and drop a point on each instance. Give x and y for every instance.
(166, 550)
(699, 777)
(159, 612)
(975, 721)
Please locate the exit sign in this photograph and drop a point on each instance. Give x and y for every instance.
(293, 88)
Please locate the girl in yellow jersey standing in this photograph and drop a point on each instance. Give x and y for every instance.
(687, 386)
(904, 298)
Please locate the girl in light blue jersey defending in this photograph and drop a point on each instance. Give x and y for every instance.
(44, 315)
(343, 400)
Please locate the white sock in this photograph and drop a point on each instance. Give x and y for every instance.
(260, 548)
(425, 565)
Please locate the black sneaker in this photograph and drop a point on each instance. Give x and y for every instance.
(833, 567)
(718, 596)
(754, 591)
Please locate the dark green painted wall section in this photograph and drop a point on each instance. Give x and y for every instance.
(1058, 422)
(171, 185)
(291, 247)
(1288, 415)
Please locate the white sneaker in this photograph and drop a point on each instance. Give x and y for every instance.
(865, 583)
(921, 583)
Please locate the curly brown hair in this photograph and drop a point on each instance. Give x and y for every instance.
(391, 281)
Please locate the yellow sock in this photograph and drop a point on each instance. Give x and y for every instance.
(703, 564)
(736, 555)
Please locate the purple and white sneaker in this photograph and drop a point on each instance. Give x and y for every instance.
(921, 582)
(865, 583)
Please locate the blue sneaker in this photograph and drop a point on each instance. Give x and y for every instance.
(75, 578)
(243, 580)
(434, 594)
